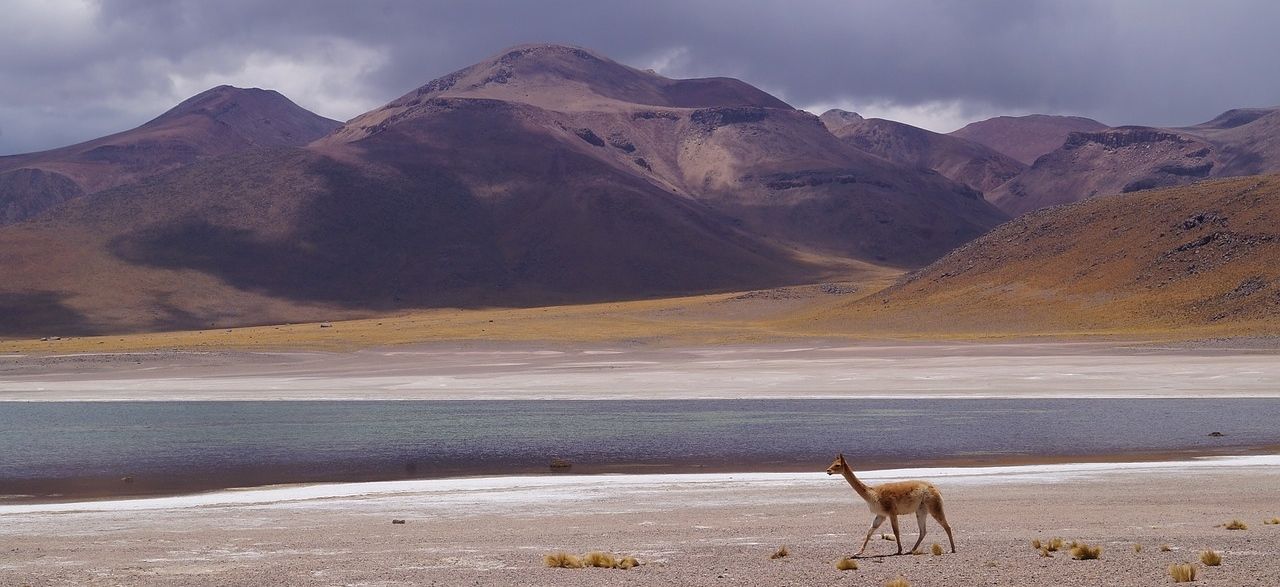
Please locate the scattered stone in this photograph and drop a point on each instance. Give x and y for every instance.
(127, 479)
(397, 521)
(1216, 434)
(326, 325)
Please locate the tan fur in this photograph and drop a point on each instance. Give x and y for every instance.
(890, 500)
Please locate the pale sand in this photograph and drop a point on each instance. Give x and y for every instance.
(528, 371)
(686, 529)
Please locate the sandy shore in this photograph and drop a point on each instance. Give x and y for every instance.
(525, 371)
(686, 529)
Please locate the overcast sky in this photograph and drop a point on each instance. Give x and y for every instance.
(75, 69)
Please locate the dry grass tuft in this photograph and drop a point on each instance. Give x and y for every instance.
(601, 560)
(889, 537)
(1211, 558)
(562, 560)
(899, 582)
(1035, 544)
(1137, 548)
(847, 564)
(628, 562)
(1183, 573)
(1044, 552)
(782, 553)
(1237, 525)
(1054, 545)
(1084, 552)
(1272, 521)
(936, 549)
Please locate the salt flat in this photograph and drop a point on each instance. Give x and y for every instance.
(511, 371)
(687, 529)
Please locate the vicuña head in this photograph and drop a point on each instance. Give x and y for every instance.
(837, 466)
(890, 500)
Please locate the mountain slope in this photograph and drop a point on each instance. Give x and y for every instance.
(216, 122)
(1192, 258)
(1131, 158)
(959, 160)
(1026, 138)
(547, 174)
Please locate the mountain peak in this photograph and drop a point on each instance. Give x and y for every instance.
(835, 119)
(262, 117)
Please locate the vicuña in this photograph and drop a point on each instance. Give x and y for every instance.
(890, 500)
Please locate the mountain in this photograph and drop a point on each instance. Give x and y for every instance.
(1130, 158)
(957, 159)
(216, 122)
(546, 174)
(1026, 138)
(1198, 258)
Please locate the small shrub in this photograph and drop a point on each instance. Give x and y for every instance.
(1210, 558)
(562, 560)
(1084, 552)
(1165, 548)
(1035, 544)
(899, 582)
(1055, 544)
(847, 564)
(1044, 552)
(781, 553)
(1183, 573)
(1137, 548)
(888, 537)
(628, 562)
(1237, 525)
(1272, 521)
(937, 549)
(601, 560)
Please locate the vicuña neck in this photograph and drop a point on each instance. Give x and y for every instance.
(858, 486)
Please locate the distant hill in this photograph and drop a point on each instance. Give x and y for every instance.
(546, 174)
(216, 122)
(1131, 158)
(1198, 258)
(960, 160)
(1026, 138)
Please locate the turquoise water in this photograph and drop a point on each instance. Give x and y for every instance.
(71, 448)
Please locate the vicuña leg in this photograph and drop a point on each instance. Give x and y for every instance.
(935, 510)
(897, 534)
(874, 525)
(922, 518)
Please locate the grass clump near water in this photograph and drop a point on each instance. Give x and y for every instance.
(1083, 552)
(936, 549)
(562, 560)
(1237, 525)
(601, 560)
(899, 582)
(846, 564)
(1183, 573)
(1211, 558)
(781, 553)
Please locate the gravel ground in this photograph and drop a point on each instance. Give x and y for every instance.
(686, 530)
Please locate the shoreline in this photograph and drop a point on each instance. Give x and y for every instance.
(954, 476)
(110, 490)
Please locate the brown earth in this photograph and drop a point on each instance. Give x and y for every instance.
(1199, 260)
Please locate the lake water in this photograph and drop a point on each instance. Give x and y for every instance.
(68, 449)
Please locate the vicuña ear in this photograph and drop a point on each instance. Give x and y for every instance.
(840, 456)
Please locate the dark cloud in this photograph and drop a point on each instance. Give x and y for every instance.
(75, 69)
